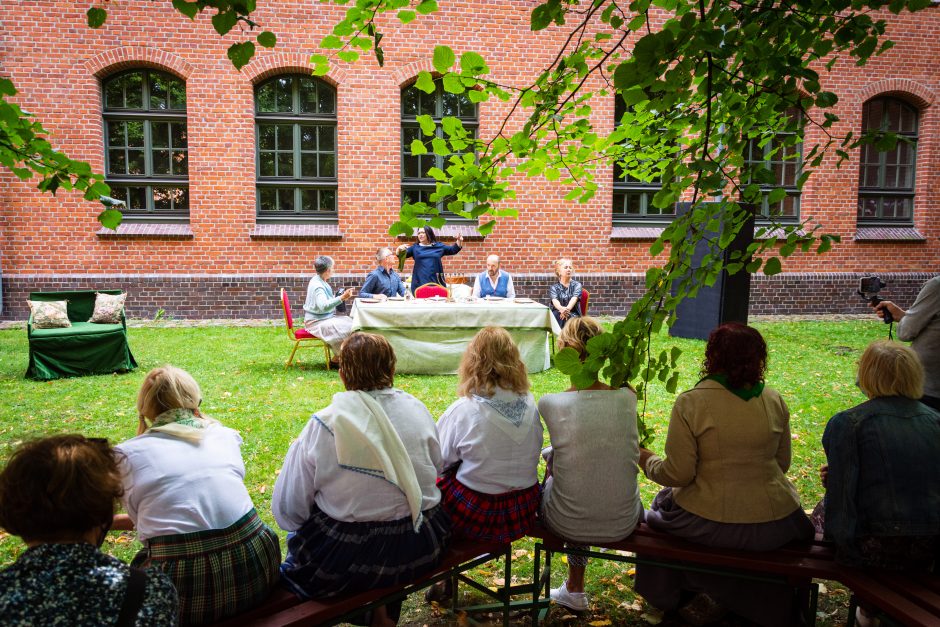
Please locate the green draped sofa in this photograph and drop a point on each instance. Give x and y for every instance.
(84, 348)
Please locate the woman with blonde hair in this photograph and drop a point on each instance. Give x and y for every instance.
(185, 494)
(591, 493)
(490, 442)
(882, 506)
(565, 295)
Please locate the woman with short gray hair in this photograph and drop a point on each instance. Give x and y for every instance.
(320, 307)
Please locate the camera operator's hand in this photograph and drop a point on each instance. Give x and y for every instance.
(645, 454)
(896, 312)
(824, 474)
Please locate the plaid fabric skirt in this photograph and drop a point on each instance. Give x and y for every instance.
(488, 517)
(219, 572)
(327, 557)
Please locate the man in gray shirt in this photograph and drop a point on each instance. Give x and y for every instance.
(920, 325)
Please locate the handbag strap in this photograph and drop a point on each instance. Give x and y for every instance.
(133, 598)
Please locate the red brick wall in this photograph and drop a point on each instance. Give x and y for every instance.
(57, 63)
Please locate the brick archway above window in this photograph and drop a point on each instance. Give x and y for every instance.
(407, 74)
(918, 95)
(129, 57)
(288, 63)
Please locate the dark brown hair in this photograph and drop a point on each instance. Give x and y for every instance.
(738, 352)
(366, 362)
(59, 488)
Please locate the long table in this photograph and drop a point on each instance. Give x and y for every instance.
(429, 336)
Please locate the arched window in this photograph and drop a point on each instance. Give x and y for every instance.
(886, 177)
(146, 144)
(295, 134)
(633, 197)
(778, 164)
(416, 184)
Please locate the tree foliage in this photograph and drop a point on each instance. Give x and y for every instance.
(701, 81)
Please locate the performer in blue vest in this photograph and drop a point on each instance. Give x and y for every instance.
(493, 282)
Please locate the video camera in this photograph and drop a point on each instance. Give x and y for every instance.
(868, 288)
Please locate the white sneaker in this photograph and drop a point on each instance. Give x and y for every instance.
(576, 601)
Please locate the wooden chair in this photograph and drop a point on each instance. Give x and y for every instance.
(585, 295)
(431, 289)
(301, 337)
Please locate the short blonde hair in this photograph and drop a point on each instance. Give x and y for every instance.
(577, 332)
(165, 388)
(890, 369)
(559, 262)
(492, 359)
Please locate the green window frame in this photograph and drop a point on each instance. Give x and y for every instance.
(416, 184)
(778, 163)
(886, 177)
(147, 144)
(633, 197)
(295, 150)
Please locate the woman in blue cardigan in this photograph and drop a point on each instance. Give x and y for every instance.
(427, 253)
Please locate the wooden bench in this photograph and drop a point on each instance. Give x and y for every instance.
(910, 598)
(285, 609)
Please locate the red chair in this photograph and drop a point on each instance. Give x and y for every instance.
(301, 337)
(431, 289)
(585, 295)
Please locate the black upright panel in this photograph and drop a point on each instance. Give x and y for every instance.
(725, 301)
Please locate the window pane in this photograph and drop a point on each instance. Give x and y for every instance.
(114, 94)
(266, 163)
(308, 138)
(264, 98)
(117, 163)
(285, 164)
(266, 136)
(267, 199)
(180, 163)
(135, 133)
(868, 207)
(308, 166)
(327, 135)
(308, 200)
(327, 165)
(115, 134)
(410, 166)
(162, 199)
(160, 134)
(327, 200)
(285, 137)
(179, 135)
(285, 199)
(410, 101)
(307, 90)
(428, 102)
(618, 204)
(282, 94)
(135, 162)
(177, 95)
(136, 198)
(125, 91)
(161, 161)
(158, 92)
(327, 100)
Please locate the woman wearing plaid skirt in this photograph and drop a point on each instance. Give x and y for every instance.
(357, 490)
(184, 492)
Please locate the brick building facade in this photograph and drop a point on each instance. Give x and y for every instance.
(215, 236)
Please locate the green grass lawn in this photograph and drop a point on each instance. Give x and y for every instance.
(246, 386)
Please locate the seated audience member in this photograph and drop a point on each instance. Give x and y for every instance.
(58, 495)
(493, 282)
(566, 294)
(727, 452)
(591, 492)
(320, 307)
(358, 489)
(882, 504)
(383, 282)
(184, 491)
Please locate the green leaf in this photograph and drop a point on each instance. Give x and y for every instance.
(473, 63)
(349, 56)
(406, 17)
(331, 42)
(321, 64)
(568, 361)
(426, 7)
(110, 218)
(425, 83)
(427, 124)
(240, 54)
(477, 95)
(418, 147)
(444, 59)
(224, 21)
(267, 39)
(96, 17)
(452, 84)
(189, 9)
(772, 266)
(440, 147)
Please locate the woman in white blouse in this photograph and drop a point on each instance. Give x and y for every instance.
(357, 489)
(185, 494)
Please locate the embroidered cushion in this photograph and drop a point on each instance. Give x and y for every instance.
(108, 308)
(49, 314)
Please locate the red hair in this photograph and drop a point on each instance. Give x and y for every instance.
(737, 351)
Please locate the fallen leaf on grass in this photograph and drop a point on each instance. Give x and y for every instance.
(599, 623)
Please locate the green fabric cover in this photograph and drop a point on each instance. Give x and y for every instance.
(85, 348)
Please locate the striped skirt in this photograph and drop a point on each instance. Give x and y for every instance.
(219, 572)
(328, 557)
(488, 517)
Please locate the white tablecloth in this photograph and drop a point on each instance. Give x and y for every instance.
(430, 336)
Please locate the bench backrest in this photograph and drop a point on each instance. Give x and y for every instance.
(81, 303)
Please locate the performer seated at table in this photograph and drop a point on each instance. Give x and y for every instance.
(591, 492)
(566, 294)
(427, 253)
(383, 282)
(358, 486)
(493, 282)
(320, 307)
